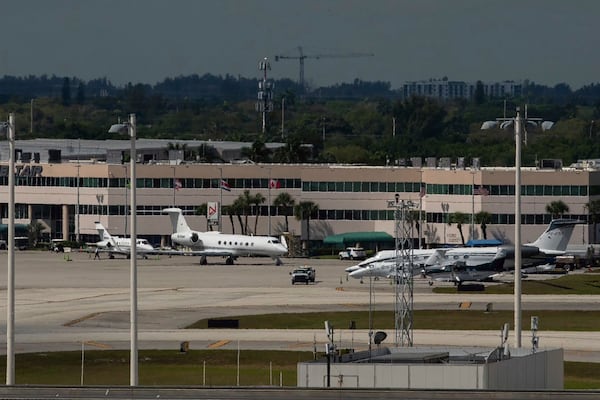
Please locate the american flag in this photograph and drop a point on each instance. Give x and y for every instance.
(177, 184)
(481, 191)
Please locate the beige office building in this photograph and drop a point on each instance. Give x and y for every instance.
(69, 197)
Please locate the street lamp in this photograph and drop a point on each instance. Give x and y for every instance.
(445, 208)
(129, 128)
(9, 128)
(519, 124)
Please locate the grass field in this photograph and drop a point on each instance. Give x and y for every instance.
(196, 368)
(422, 319)
(262, 368)
(586, 283)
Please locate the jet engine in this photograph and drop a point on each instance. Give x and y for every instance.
(186, 239)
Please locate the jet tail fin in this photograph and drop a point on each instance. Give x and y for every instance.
(104, 235)
(283, 241)
(177, 220)
(436, 257)
(556, 237)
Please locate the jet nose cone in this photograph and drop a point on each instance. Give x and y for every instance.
(359, 273)
(353, 268)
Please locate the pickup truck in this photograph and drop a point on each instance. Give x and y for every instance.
(303, 275)
(353, 253)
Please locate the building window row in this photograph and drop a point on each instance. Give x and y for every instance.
(449, 189)
(152, 183)
(310, 186)
(365, 187)
(338, 215)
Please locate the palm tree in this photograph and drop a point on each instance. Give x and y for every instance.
(305, 210)
(414, 217)
(243, 205)
(557, 208)
(228, 210)
(237, 208)
(34, 232)
(285, 202)
(483, 218)
(459, 219)
(593, 208)
(257, 200)
(258, 152)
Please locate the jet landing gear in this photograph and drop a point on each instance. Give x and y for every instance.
(229, 261)
(203, 260)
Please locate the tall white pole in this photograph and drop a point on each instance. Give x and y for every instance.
(269, 205)
(10, 309)
(517, 293)
(133, 379)
(78, 230)
(282, 117)
(472, 204)
(220, 199)
(173, 186)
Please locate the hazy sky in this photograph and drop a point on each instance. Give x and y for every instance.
(547, 41)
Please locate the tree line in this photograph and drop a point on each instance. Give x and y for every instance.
(373, 128)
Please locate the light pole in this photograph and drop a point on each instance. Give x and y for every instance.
(77, 232)
(445, 208)
(31, 117)
(518, 125)
(9, 128)
(130, 129)
(472, 204)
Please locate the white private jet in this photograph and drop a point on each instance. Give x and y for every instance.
(470, 263)
(121, 245)
(231, 246)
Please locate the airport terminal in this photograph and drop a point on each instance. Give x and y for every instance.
(67, 185)
(69, 193)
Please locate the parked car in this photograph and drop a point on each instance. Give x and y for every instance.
(353, 253)
(303, 275)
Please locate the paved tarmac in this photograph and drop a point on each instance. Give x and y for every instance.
(63, 300)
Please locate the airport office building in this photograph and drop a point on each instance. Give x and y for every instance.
(67, 194)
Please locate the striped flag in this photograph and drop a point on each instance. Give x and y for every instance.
(225, 185)
(177, 184)
(481, 191)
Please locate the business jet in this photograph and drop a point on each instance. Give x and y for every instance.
(121, 245)
(471, 263)
(231, 246)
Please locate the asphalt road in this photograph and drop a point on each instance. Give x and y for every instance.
(62, 301)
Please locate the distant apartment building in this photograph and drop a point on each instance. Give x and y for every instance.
(444, 89)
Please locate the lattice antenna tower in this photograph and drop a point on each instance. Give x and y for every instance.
(403, 279)
(264, 104)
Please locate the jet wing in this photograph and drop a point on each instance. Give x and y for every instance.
(207, 253)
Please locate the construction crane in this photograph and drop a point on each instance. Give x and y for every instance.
(301, 57)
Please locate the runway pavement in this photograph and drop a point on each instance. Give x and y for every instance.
(64, 300)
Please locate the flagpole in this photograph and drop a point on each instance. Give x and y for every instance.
(473, 205)
(220, 200)
(174, 185)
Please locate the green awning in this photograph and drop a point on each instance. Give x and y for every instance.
(351, 238)
(20, 229)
